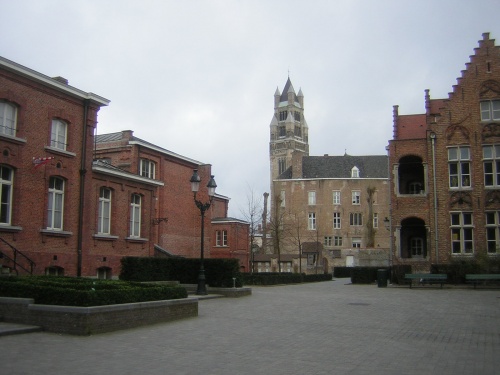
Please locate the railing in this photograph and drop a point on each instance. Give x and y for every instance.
(14, 258)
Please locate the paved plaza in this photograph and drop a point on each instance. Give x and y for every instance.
(319, 328)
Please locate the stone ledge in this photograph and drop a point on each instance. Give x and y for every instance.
(98, 319)
(226, 292)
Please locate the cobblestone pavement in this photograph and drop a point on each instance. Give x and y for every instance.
(319, 328)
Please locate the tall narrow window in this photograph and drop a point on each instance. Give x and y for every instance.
(336, 197)
(311, 224)
(58, 134)
(282, 198)
(461, 233)
(459, 167)
(55, 206)
(311, 198)
(135, 216)
(493, 232)
(147, 168)
(336, 220)
(6, 180)
(356, 197)
(375, 220)
(104, 220)
(8, 114)
(281, 165)
(491, 162)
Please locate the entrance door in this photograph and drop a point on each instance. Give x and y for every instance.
(349, 261)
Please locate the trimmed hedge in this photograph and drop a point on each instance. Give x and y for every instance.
(68, 291)
(219, 273)
(276, 278)
(340, 272)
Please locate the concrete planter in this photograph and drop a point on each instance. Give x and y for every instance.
(98, 319)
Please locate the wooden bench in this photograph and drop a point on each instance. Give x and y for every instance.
(477, 278)
(430, 278)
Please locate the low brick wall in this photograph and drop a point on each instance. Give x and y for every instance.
(98, 319)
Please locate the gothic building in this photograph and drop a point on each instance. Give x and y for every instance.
(325, 210)
(445, 171)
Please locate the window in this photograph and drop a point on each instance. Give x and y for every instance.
(6, 179)
(416, 247)
(336, 197)
(282, 198)
(296, 115)
(58, 134)
(336, 220)
(282, 131)
(337, 241)
(414, 188)
(104, 219)
(281, 165)
(459, 167)
(311, 198)
(356, 197)
(55, 205)
(492, 232)
(311, 224)
(491, 161)
(375, 220)
(135, 216)
(8, 120)
(356, 219)
(283, 115)
(328, 241)
(298, 131)
(147, 168)
(461, 233)
(356, 242)
(490, 110)
(221, 238)
(355, 172)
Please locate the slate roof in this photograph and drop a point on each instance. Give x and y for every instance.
(373, 166)
(284, 94)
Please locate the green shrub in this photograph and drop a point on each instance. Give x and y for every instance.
(364, 275)
(340, 272)
(276, 278)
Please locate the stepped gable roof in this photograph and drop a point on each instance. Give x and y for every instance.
(411, 127)
(284, 95)
(372, 166)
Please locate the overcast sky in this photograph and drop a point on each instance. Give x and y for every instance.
(198, 77)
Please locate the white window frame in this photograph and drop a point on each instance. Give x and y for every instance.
(311, 221)
(55, 204)
(492, 221)
(355, 172)
(221, 238)
(59, 134)
(459, 167)
(491, 165)
(147, 168)
(462, 233)
(375, 220)
(356, 197)
(328, 241)
(311, 198)
(337, 241)
(104, 215)
(337, 221)
(6, 189)
(356, 242)
(417, 247)
(490, 110)
(135, 216)
(336, 197)
(8, 119)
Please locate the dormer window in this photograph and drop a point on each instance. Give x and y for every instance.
(355, 172)
(490, 110)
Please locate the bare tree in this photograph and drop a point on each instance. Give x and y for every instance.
(253, 215)
(295, 229)
(276, 226)
(370, 230)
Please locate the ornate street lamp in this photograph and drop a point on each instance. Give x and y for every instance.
(195, 186)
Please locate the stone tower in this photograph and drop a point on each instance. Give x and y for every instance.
(288, 130)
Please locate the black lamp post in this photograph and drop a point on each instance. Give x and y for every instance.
(195, 186)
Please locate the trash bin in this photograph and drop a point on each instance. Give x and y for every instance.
(382, 277)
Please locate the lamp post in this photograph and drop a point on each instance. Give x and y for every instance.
(195, 186)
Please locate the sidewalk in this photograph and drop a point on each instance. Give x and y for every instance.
(317, 328)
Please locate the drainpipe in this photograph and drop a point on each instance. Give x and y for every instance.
(436, 239)
(83, 172)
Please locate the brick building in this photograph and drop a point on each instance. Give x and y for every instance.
(327, 210)
(445, 176)
(75, 204)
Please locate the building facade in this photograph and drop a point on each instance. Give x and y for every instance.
(445, 177)
(74, 203)
(328, 210)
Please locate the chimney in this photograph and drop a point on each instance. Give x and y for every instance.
(61, 79)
